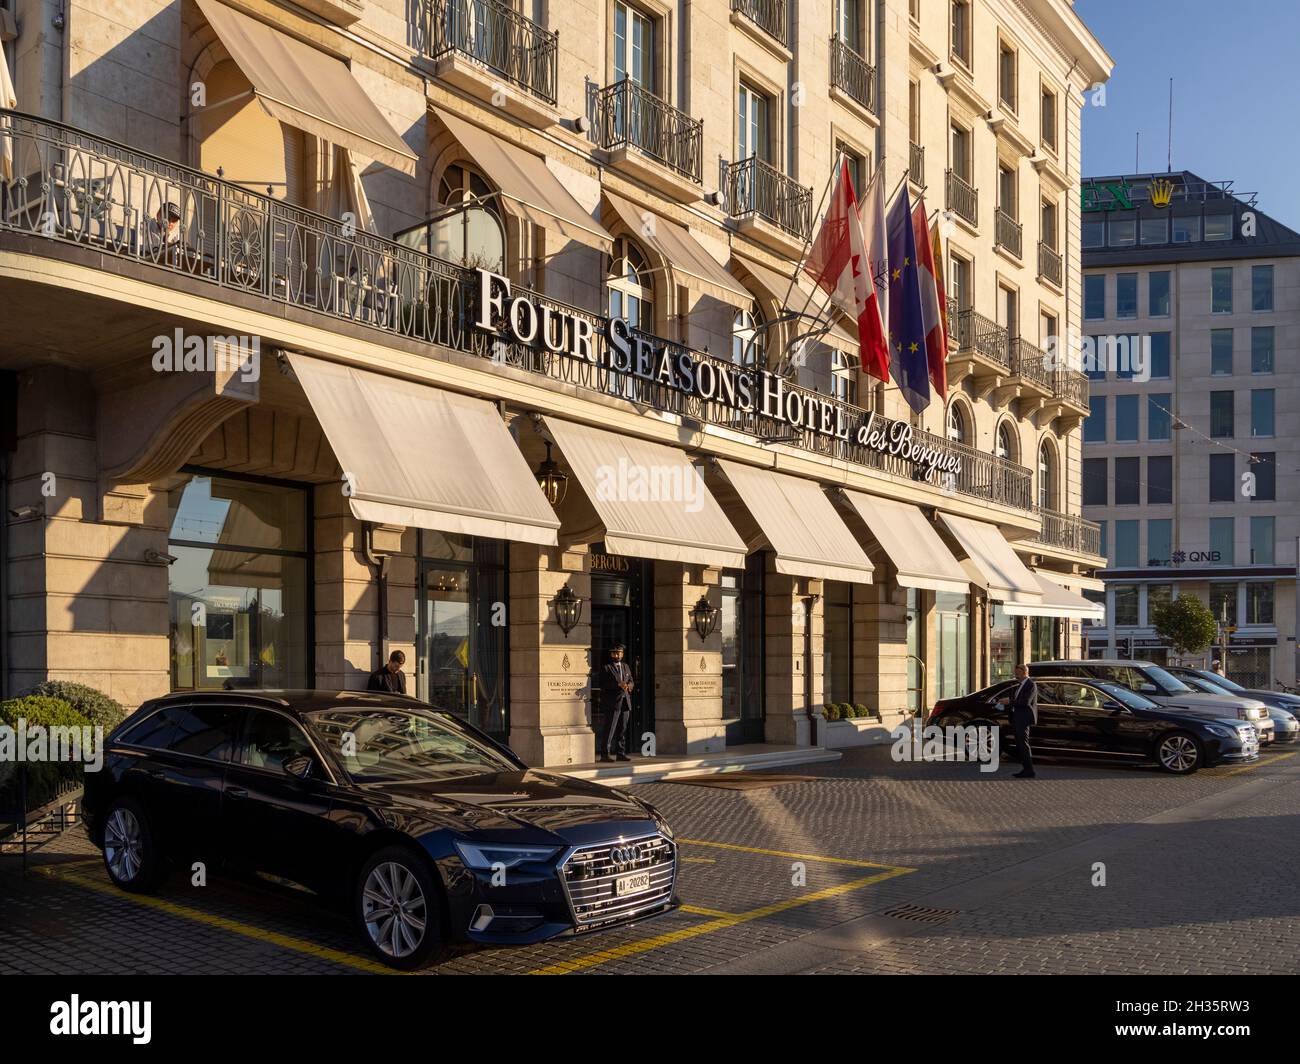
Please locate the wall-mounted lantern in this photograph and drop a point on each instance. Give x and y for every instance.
(704, 615)
(568, 609)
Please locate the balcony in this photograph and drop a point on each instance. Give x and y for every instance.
(852, 75)
(767, 204)
(1030, 364)
(1068, 532)
(982, 351)
(483, 46)
(650, 138)
(916, 164)
(1007, 232)
(1071, 393)
(1049, 265)
(962, 199)
(768, 15)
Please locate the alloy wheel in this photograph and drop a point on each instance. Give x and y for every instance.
(1178, 753)
(394, 909)
(123, 848)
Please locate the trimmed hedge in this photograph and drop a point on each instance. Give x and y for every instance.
(94, 705)
(46, 780)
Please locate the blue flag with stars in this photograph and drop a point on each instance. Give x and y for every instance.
(907, 361)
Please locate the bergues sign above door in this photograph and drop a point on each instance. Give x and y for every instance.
(620, 348)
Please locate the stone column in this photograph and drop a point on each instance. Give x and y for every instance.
(880, 637)
(550, 672)
(788, 657)
(687, 669)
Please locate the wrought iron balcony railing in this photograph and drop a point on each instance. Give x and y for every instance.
(75, 189)
(1071, 385)
(1029, 362)
(757, 189)
(852, 74)
(495, 35)
(630, 116)
(963, 198)
(1007, 232)
(767, 15)
(974, 332)
(1068, 531)
(916, 162)
(1049, 264)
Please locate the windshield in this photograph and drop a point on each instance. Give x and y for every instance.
(1221, 681)
(1207, 684)
(394, 744)
(1126, 697)
(1166, 681)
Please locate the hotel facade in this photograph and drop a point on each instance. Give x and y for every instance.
(1192, 448)
(468, 329)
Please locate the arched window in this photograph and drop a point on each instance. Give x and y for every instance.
(631, 293)
(474, 235)
(1005, 444)
(747, 337)
(1047, 477)
(959, 427)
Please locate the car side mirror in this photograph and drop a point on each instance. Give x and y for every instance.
(299, 767)
(1148, 689)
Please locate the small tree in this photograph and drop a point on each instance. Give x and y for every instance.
(1186, 623)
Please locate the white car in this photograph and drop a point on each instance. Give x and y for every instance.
(1274, 729)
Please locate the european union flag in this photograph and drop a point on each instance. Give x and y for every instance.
(907, 361)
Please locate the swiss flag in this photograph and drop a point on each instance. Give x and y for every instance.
(932, 309)
(839, 263)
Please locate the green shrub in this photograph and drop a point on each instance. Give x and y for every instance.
(44, 710)
(862, 711)
(46, 780)
(846, 711)
(831, 711)
(94, 705)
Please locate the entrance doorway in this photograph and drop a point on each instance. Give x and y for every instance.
(622, 612)
(742, 651)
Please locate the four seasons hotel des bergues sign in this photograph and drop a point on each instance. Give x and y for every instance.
(751, 390)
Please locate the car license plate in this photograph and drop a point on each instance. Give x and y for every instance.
(632, 884)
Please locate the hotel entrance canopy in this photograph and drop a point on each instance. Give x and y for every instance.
(911, 542)
(528, 188)
(306, 88)
(1006, 578)
(799, 523)
(1057, 601)
(650, 498)
(419, 456)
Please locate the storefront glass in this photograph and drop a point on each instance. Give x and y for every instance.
(1042, 638)
(952, 628)
(1252, 667)
(837, 643)
(1002, 645)
(240, 587)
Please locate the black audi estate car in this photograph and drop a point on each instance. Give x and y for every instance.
(432, 832)
(1098, 718)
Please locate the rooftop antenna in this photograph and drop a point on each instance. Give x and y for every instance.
(1169, 164)
(1137, 153)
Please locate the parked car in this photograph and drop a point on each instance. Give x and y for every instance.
(1158, 684)
(432, 832)
(1099, 718)
(1282, 708)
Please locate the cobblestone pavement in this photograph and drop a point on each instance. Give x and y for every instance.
(806, 876)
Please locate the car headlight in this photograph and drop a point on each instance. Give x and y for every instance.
(1222, 731)
(488, 855)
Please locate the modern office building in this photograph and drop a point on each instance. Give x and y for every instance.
(1192, 447)
(466, 328)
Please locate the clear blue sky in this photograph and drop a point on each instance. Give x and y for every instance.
(1235, 108)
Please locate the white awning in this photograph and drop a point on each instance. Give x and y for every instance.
(1006, 578)
(419, 456)
(912, 543)
(650, 498)
(799, 523)
(1057, 601)
(1073, 581)
(306, 88)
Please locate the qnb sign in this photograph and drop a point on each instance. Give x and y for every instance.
(621, 349)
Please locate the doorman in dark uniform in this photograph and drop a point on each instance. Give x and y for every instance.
(1023, 707)
(616, 699)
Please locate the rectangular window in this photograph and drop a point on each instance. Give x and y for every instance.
(1261, 412)
(1128, 481)
(634, 46)
(1126, 544)
(1264, 465)
(1187, 230)
(1263, 540)
(1158, 294)
(1048, 117)
(1158, 595)
(1261, 288)
(1158, 406)
(1261, 349)
(1221, 290)
(1094, 296)
(961, 159)
(961, 12)
(1126, 295)
(1222, 532)
(1155, 230)
(1126, 605)
(1160, 541)
(1047, 218)
(1223, 478)
(1259, 603)
(1218, 227)
(1093, 233)
(961, 289)
(1223, 601)
(1008, 201)
(1160, 362)
(1007, 75)
(1221, 352)
(1123, 232)
(857, 165)
(753, 131)
(1094, 425)
(1096, 482)
(1126, 418)
(1222, 422)
(1160, 479)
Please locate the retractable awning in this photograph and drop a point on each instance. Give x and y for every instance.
(419, 456)
(912, 543)
(683, 253)
(798, 522)
(1073, 581)
(305, 88)
(1057, 601)
(527, 185)
(801, 296)
(1006, 578)
(650, 498)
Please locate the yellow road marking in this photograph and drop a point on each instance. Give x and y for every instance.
(1257, 764)
(698, 860)
(793, 856)
(223, 923)
(696, 910)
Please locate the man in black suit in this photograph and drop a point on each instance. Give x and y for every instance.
(389, 677)
(616, 699)
(1023, 704)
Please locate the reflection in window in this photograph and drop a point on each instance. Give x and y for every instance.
(747, 336)
(472, 235)
(631, 292)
